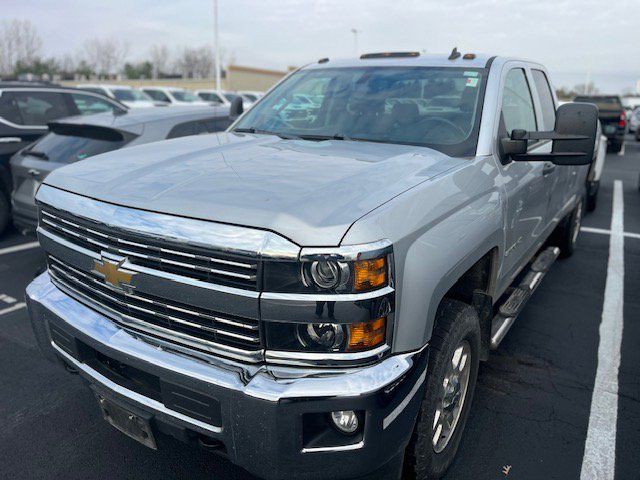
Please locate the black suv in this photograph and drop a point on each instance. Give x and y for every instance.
(25, 110)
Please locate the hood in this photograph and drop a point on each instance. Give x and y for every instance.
(309, 192)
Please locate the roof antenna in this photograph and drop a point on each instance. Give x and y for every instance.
(454, 54)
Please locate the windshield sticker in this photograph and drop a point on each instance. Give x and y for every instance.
(472, 82)
(470, 74)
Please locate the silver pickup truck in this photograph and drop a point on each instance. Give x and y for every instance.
(311, 292)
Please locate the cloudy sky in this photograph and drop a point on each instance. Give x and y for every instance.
(574, 38)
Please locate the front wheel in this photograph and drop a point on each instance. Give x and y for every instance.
(454, 356)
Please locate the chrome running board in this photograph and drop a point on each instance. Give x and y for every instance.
(513, 305)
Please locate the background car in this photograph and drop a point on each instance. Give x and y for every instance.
(612, 115)
(634, 122)
(252, 95)
(173, 96)
(219, 97)
(25, 110)
(78, 138)
(131, 97)
(595, 169)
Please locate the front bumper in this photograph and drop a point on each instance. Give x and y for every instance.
(264, 420)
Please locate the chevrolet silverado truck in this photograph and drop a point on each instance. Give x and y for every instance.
(311, 295)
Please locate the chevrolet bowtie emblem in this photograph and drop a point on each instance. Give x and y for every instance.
(112, 272)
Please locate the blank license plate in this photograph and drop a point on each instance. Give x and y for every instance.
(127, 422)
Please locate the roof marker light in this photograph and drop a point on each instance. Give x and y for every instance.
(389, 55)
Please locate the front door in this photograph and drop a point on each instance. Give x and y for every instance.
(525, 185)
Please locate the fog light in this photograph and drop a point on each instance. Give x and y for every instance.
(346, 421)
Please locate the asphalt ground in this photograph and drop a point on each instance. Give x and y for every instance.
(531, 412)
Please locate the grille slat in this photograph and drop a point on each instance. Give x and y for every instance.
(172, 320)
(148, 252)
(206, 326)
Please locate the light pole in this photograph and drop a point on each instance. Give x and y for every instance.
(216, 44)
(355, 40)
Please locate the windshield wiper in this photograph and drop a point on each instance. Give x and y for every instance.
(284, 136)
(35, 153)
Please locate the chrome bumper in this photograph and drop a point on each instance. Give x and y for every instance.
(252, 398)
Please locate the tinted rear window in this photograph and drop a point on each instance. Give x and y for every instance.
(602, 102)
(69, 148)
(33, 107)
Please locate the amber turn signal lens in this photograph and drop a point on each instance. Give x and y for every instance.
(370, 274)
(366, 335)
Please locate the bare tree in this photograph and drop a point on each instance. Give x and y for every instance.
(106, 56)
(160, 59)
(19, 42)
(195, 62)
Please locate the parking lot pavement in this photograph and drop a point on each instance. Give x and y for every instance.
(533, 407)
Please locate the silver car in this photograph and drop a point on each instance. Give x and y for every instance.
(78, 138)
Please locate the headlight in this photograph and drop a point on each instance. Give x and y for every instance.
(329, 301)
(323, 271)
(327, 337)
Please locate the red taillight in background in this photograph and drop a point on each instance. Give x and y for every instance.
(623, 119)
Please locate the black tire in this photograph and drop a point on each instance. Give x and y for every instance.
(616, 147)
(566, 234)
(592, 200)
(456, 322)
(5, 213)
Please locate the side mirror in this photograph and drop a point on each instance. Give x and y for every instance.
(236, 109)
(574, 137)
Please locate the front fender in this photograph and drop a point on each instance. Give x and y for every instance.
(439, 231)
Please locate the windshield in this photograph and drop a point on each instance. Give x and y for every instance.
(70, 148)
(184, 96)
(210, 97)
(130, 95)
(426, 106)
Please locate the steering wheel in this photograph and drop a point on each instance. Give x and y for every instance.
(443, 122)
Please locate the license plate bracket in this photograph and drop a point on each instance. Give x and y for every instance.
(134, 425)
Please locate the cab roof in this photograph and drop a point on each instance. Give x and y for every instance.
(480, 60)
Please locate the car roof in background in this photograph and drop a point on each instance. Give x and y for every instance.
(105, 85)
(135, 117)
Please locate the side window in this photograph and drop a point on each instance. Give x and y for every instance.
(33, 108)
(546, 99)
(517, 104)
(157, 95)
(88, 104)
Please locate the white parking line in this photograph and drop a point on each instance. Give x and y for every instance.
(599, 459)
(604, 231)
(19, 248)
(13, 308)
(7, 298)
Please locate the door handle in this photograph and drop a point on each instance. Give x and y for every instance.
(10, 140)
(548, 168)
(33, 172)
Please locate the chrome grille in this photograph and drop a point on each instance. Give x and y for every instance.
(185, 260)
(209, 331)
